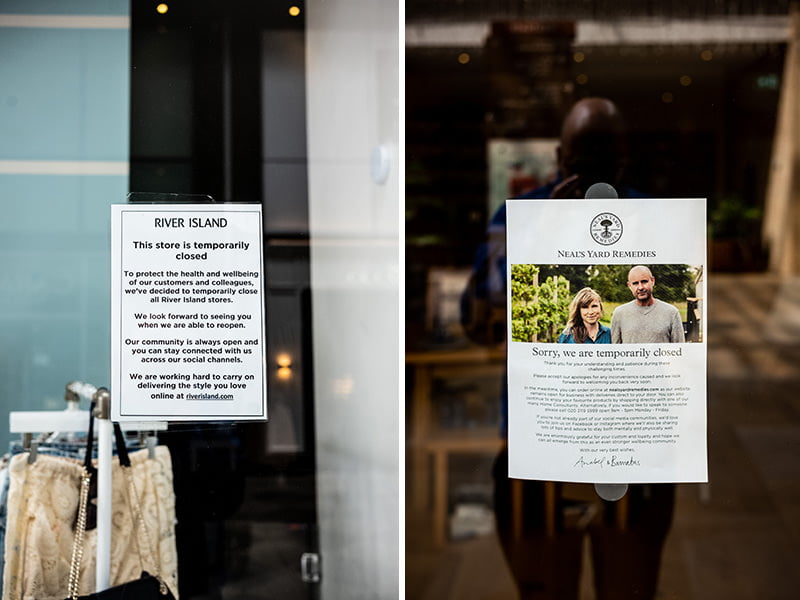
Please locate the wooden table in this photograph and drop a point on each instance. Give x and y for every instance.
(431, 447)
(430, 444)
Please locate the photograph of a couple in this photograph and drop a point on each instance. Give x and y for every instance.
(613, 304)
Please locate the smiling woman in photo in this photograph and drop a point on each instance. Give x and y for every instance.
(584, 325)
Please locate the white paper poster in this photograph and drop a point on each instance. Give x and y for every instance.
(187, 297)
(629, 404)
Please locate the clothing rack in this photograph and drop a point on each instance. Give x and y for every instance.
(75, 420)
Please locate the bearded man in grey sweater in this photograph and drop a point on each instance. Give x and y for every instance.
(645, 319)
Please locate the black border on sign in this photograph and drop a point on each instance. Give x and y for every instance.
(205, 417)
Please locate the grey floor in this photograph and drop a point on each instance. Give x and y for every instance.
(737, 537)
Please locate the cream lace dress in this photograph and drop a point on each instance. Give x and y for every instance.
(42, 504)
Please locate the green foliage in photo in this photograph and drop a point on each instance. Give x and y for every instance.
(674, 283)
(539, 311)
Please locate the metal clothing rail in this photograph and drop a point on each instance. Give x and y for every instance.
(75, 420)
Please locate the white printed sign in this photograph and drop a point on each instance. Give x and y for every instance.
(626, 404)
(187, 298)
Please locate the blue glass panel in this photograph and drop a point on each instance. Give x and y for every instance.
(64, 94)
(55, 269)
(66, 7)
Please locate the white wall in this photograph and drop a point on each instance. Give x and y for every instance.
(352, 89)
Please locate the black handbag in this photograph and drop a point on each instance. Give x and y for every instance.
(147, 587)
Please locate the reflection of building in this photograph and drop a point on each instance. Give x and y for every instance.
(699, 85)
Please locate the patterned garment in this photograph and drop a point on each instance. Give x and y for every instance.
(42, 504)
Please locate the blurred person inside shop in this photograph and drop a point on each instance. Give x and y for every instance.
(543, 542)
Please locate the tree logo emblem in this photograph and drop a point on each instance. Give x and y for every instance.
(606, 229)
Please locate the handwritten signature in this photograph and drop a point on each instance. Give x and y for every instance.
(602, 461)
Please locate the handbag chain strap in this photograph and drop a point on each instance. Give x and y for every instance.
(77, 542)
